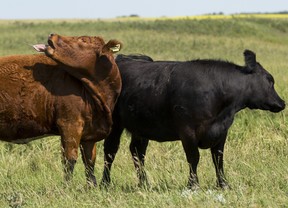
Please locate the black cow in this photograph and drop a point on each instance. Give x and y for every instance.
(194, 101)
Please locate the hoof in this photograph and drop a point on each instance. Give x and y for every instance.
(193, 187)
(104, 185)
(223, 186)
(146, 185)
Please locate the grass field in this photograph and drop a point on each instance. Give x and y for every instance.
(256, 152)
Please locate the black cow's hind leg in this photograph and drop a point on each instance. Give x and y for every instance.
(138, 148)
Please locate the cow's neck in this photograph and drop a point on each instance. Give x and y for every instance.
(103, 91)
(234, 91)
(102, 118)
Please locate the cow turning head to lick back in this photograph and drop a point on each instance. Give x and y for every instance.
(193, 101)
(71, 91)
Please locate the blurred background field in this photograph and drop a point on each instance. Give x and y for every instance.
(256, 152)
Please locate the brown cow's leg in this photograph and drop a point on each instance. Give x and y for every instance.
(138, 148)
(70, 139)
(70, 155)
(111, 146)
(190, 145)
(88, 151)
(217, 156)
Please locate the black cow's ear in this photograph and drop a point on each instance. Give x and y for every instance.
(250, 60)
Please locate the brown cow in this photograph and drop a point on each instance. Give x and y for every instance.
(71, 91)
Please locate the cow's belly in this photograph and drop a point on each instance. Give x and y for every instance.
(23, 130)
(157, 129)
(27, 140)
(23, 117)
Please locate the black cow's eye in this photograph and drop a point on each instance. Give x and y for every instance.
(271, 84)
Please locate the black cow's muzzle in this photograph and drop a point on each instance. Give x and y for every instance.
(278, 106)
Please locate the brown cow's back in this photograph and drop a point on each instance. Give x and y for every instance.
(34, 90)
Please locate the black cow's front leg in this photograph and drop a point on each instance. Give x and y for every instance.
(88, 151)
(111, 146)
(138, 147)
(217, 156)
(190, 146)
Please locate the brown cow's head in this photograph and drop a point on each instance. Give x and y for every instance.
(78, 51)
(90, 60)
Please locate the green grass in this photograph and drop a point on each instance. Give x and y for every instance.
(256, 152)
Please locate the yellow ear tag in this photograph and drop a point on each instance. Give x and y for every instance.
(115, 48)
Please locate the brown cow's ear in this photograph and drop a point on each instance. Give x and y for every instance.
(112, 45)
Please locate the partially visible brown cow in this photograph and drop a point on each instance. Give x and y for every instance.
(71, 91)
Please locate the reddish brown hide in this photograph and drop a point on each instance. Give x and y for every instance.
(71, 91)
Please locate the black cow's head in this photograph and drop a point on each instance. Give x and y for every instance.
(262, 93)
